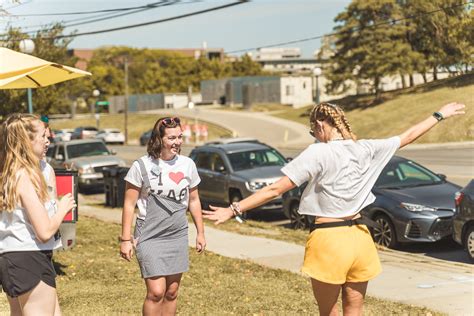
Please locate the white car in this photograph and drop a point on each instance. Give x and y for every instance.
(63, 134)
(111, 136)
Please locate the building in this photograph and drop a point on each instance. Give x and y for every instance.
(146, 102)
(294, 91)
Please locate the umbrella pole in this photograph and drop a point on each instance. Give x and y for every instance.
(30, 101)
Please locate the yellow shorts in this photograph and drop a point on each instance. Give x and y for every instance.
(343, 254)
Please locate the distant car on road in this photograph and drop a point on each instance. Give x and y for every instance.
(84, 132)
(111, 136)
(88, 157)
(63, 134)
(145, 137)
(463, 220)
(413, 204)
(231, 170)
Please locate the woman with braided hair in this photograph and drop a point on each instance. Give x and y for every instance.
(340, 172)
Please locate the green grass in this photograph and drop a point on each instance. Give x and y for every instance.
(137, 124)
(397, 111)
(93, 280)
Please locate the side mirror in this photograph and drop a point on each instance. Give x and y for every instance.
(442, 176)
(113, 151)
(288, 159)
(59, 157)
(221, 169)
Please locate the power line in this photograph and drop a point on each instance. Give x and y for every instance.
(394, 21)
(152, 22)
(150, 5)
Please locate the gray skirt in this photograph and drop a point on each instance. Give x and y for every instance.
(162, 246)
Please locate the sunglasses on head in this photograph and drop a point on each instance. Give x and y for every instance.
(170, 120)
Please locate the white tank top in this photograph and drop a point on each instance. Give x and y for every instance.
(16, 231)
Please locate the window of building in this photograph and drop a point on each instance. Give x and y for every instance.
(290, 90)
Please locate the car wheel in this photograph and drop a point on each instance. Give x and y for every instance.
(235, 196)
(385, 235)
(297, 221)
(469, 242)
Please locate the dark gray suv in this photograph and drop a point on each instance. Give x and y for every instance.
(232, 170)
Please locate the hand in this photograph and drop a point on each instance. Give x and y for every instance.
(126, 250)
(452, 109)
(200, 243)
(66, 203)
(218, 214)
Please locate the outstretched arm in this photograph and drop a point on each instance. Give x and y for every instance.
(411, 134)
(268, 193)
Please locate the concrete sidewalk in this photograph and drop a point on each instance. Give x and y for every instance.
(410, 278)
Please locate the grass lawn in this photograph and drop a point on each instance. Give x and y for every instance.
(137, 124)
(401, 109)
(93, 280)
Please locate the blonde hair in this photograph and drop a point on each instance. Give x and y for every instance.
(16, 155)
(334, 116)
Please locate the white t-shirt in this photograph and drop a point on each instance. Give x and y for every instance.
(172, 178)
(340, 175)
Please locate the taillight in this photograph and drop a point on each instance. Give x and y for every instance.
(458, 196)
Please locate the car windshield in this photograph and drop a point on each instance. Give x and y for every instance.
(87, 149)
(256, 158)
(404, 174)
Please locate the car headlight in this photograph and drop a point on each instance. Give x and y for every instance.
(84, 170)
(255, 185)
(417, 207)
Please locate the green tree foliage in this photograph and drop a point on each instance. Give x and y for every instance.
(52, 99)
(416, 40)
(158, 71)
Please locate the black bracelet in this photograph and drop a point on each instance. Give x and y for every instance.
(438, 115)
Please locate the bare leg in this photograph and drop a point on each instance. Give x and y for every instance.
(155, 292)
(171, 295)
(326, 296)
(57, 310)
(39, 301)
(353, 298)
(15, 309)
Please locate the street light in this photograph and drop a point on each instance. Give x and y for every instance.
(95, 94)
(28, 46)
(317, 72)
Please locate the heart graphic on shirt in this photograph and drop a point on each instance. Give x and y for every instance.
(176, 176)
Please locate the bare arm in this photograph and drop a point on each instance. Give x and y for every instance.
(44, 226)
(414, 132)
(196, 213)
(52, 183)
(131, 197)
(268, 193)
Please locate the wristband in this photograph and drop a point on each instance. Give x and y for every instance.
(438, 115)
(122, 240)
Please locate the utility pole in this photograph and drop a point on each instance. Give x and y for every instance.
(125, 112)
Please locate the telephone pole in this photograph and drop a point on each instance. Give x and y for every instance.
(125, 112)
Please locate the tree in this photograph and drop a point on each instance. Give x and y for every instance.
(366, 49)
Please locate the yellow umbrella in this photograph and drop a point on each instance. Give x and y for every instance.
(20, 71)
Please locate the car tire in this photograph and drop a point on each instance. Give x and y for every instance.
(385, 235)
(297, 221)
(469, 242)
(235, 196)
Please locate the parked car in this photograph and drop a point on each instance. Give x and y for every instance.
(463, 220)
(145, 137)
(88, 157)
(231, 170)
(63, 134)
(413, 204)
(84, 132)
(111, 136)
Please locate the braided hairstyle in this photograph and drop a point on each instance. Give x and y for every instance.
(334, 116)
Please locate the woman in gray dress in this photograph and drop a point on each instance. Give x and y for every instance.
(163, 184)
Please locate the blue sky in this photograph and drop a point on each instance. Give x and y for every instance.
(253, 24)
